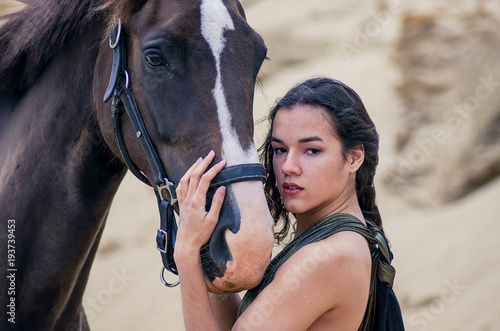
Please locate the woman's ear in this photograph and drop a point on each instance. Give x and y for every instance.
(355, 157)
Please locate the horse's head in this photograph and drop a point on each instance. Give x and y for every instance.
(192, 67)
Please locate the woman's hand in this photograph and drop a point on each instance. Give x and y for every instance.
(195, 223)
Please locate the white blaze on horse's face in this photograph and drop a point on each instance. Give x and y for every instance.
(251, 245)
(215, 20)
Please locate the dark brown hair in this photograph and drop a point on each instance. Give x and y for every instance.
(352, 125)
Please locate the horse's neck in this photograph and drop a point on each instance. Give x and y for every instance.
(51, 137)
(57, 181)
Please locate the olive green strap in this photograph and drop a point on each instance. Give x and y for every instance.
(385, 271)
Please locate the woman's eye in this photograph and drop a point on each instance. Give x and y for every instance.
(312, 151)
(156, 60)
(279, 150)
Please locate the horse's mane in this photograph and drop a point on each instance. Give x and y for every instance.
(30, 38)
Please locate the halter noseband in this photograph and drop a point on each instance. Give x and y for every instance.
(119, 91)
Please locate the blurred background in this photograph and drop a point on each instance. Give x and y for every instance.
(429, 74)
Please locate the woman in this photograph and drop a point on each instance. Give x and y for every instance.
(320, 154)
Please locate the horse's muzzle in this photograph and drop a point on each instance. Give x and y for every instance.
(240, 248)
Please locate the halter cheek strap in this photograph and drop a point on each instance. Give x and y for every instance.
(122, 98)
(122, 95)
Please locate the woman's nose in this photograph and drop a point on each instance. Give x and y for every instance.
(291, 165)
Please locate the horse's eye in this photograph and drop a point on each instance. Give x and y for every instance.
(156, 60)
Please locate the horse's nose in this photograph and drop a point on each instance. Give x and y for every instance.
(240, 247)
(216, 253)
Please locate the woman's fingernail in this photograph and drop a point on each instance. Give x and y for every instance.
(199, 160)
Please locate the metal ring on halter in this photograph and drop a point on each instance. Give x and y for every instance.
(118, 23)
(167, 284)
(127, 79)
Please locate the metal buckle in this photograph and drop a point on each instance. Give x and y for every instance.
(117, 24)
(170, 188)
(158, 247)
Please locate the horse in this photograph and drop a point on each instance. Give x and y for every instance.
(92, 88)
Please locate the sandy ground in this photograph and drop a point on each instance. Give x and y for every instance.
(447, 269)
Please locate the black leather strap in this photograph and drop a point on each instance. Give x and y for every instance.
(123, 96)
(239, 173)
(165, 237)
(128, 102)
(117, 131)
(114, 37)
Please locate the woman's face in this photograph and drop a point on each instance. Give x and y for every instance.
(313, 177)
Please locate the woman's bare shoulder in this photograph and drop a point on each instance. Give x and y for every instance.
(339, 256)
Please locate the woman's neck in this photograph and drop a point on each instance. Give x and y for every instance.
(307, 220)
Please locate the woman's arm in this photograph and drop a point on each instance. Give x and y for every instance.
(198, 311)
(195, 228)
(198, 314)
(225, 308)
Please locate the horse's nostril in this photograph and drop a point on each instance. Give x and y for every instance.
(216, 253)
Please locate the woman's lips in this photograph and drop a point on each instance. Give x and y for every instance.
(291, 188)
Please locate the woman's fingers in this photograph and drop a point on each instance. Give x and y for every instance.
(217, 201)
(207, 177)
(183, 185)
(196, 179)
(198, 171)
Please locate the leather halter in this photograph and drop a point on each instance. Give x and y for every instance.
(119, 91)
